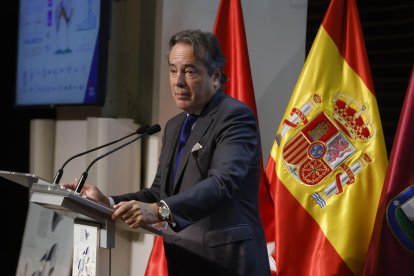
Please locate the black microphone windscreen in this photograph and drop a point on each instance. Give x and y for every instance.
(142, 129)
(153, 129)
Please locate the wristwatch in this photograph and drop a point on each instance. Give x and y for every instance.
(163, 211)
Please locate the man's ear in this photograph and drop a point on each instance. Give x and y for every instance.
(216, 77)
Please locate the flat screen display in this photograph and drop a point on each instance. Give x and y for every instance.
(62, 52)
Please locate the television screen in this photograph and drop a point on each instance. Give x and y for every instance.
(62, 52)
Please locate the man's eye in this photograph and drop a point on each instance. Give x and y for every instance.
(190, 72)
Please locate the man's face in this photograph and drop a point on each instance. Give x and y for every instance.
(190, 84)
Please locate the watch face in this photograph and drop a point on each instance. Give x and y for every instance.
(164, 212)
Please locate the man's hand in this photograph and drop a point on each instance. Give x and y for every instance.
(136, 213)
(88, 190)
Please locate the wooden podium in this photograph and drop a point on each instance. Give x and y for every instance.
(81, 209)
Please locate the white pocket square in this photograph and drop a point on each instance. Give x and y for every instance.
(196, 147)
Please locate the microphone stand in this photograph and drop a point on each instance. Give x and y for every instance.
(149, 131)
(59, 173)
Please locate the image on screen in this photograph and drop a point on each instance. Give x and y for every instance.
(61, 58)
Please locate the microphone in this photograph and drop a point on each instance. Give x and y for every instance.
(149, 131)
(59, 173)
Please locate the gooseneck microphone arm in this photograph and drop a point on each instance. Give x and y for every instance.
(59, 173)
(149, 131)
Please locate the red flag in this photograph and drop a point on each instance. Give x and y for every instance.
(157, 264)
(229, 29)
(327, 164)
(392, 248)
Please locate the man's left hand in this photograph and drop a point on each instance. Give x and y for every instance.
(136, 213)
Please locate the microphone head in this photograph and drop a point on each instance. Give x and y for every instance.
(153, 129)
(141, 129)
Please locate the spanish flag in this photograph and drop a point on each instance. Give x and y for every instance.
(328, 161)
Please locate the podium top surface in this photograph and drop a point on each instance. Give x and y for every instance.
(24, 179)
(58, 198)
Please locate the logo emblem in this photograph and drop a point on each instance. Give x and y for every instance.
(400, 217)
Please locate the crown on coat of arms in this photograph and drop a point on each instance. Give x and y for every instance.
(352, 117)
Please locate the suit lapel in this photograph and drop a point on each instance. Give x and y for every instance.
(171, 147)
(198, 131)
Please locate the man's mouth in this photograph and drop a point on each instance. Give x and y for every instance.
(182, 95)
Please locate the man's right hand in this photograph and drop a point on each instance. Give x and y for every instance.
(88, 190)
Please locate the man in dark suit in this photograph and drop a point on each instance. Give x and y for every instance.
(208, 195)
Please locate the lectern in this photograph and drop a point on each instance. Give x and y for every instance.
(76, 206)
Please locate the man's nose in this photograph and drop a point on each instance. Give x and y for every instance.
(180, 80)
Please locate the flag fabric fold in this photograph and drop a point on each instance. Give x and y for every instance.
(157, 264)
(392, 246)
(328, 161)
(230, 31)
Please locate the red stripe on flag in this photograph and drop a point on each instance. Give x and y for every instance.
(297, 155)
(293, 142)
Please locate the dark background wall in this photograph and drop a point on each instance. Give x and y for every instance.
(14, 141)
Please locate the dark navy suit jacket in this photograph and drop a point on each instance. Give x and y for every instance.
(215, 200)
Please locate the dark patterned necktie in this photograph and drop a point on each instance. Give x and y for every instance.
(184, 134)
